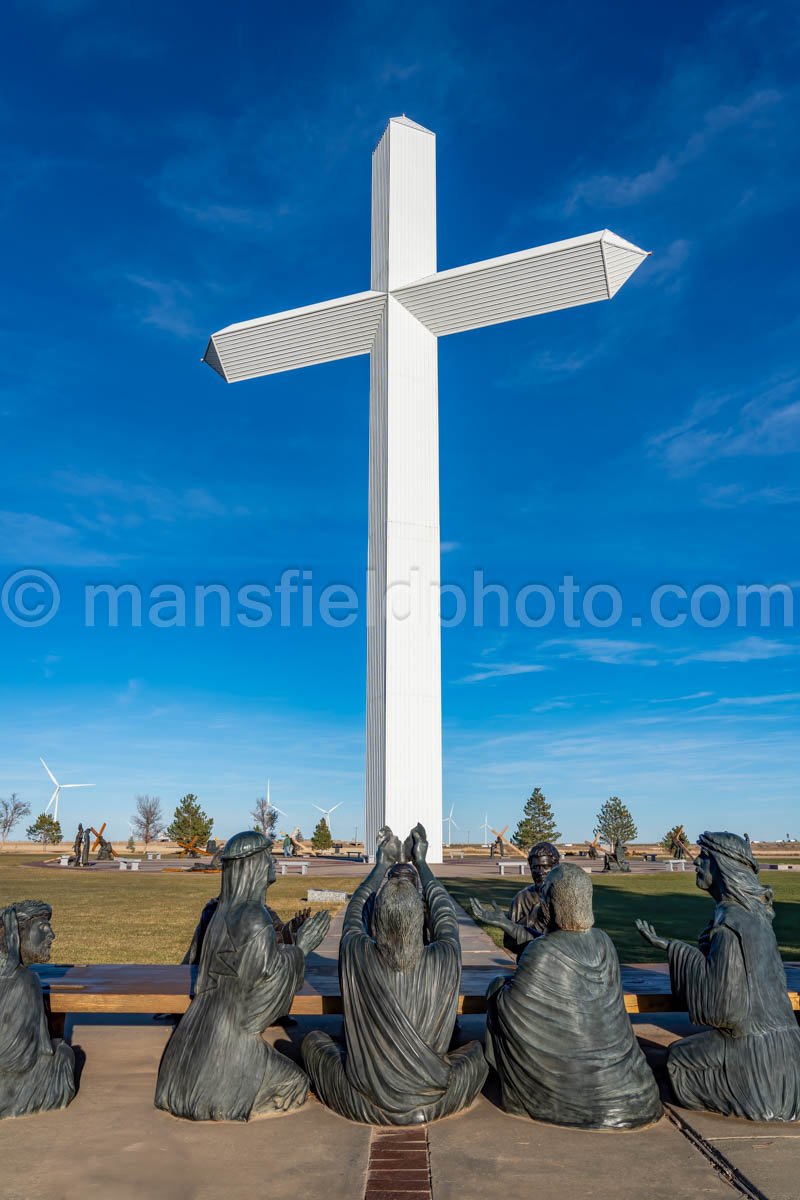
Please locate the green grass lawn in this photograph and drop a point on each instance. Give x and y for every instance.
(116, 916)
(671, 902)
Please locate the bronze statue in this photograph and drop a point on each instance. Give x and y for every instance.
(87, 838)
(105, 853)
(748, 1065)
(36, 1074)
(400, 995)
(524, 920)
(557, 1031)
(615, 860)
(216, 1066)
(77, 846)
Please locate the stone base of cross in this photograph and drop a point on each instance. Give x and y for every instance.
(397, 322)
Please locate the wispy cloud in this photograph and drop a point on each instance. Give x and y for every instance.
(625, 190)
(502, 670)
(759, 701)
(30, 540)
(128, 503)
(613, 651)
(166, 305)
(750, 649)
(764, 425)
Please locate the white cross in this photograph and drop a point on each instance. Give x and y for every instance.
(410, 304)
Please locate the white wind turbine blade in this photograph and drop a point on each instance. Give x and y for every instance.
(322, 810)
(66, 785)
(54, 797)
(339, 805)
(49, 772)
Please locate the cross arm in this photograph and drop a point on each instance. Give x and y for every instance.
(559, 275)
(298, 338)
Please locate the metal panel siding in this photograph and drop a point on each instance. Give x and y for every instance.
(516, 286)
(412, 203)
(380, 215)
(299, 338)
(621, 262)
(404, 774)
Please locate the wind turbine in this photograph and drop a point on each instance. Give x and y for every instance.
(451, 824)
(271, 806)
(54, 798)
(486, 827)
(326, 812)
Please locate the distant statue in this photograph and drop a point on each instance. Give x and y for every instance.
(216, 1066)
(87, 840)
(400, 996)
(105, 853)
(593, 848)
(557, 1031)
(36, 1074)
(615, 860)
(748, 1065)
(525, 918)
(77, 847)
(288, 847)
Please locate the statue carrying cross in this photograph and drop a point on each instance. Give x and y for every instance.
(397, 322)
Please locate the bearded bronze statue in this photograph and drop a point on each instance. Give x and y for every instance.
(36, 1074)
(525, 919)
(400, 971)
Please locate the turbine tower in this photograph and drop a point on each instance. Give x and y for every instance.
(486, 827)
(54, 798)
(271, 806)
(326, 812)
(451, 824)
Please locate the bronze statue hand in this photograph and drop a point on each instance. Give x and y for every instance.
(490, 914)
(300, 917)
(649, 934)
(419, 845)
(389, 850)
(11, 930)
(312, 931)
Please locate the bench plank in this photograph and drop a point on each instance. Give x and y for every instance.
(150, 988)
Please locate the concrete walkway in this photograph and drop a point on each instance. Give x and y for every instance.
(112, 1144)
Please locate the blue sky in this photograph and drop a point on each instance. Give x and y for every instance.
(168, 170)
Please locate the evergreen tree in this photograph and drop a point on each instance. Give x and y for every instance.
(45, 830)
(675, 841)
(131, 845)
(321, 837)
(190, 821)
(538, 822)
(615, 823)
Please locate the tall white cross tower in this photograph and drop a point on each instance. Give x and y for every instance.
(397, 323)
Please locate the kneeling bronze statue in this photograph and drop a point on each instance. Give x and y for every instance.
(36, 1074)
(216, 1066)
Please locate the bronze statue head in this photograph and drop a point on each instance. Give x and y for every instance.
(248, 867)
(542, 858)
(726, 868)
(567, 899)
(36, 934)
(398, 919)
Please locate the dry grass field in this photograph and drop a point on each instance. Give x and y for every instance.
(116, 916)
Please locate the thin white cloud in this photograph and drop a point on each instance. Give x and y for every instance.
(750, 649)
(502, 670)
(759, 701)
(614, 651)
(166, 306)
(622, 191)
(28, 540)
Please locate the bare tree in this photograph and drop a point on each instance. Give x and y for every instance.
(148, 820)
(264, 816)
(11, 812)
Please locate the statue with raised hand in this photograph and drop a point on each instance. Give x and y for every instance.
(36, 1073)
(748, 1063)
(400, 993)
(525, 918)
(216, 1065)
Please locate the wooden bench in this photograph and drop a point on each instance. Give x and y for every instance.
(519, 865)
(650, 857)
(137, 988)
(302, 867)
